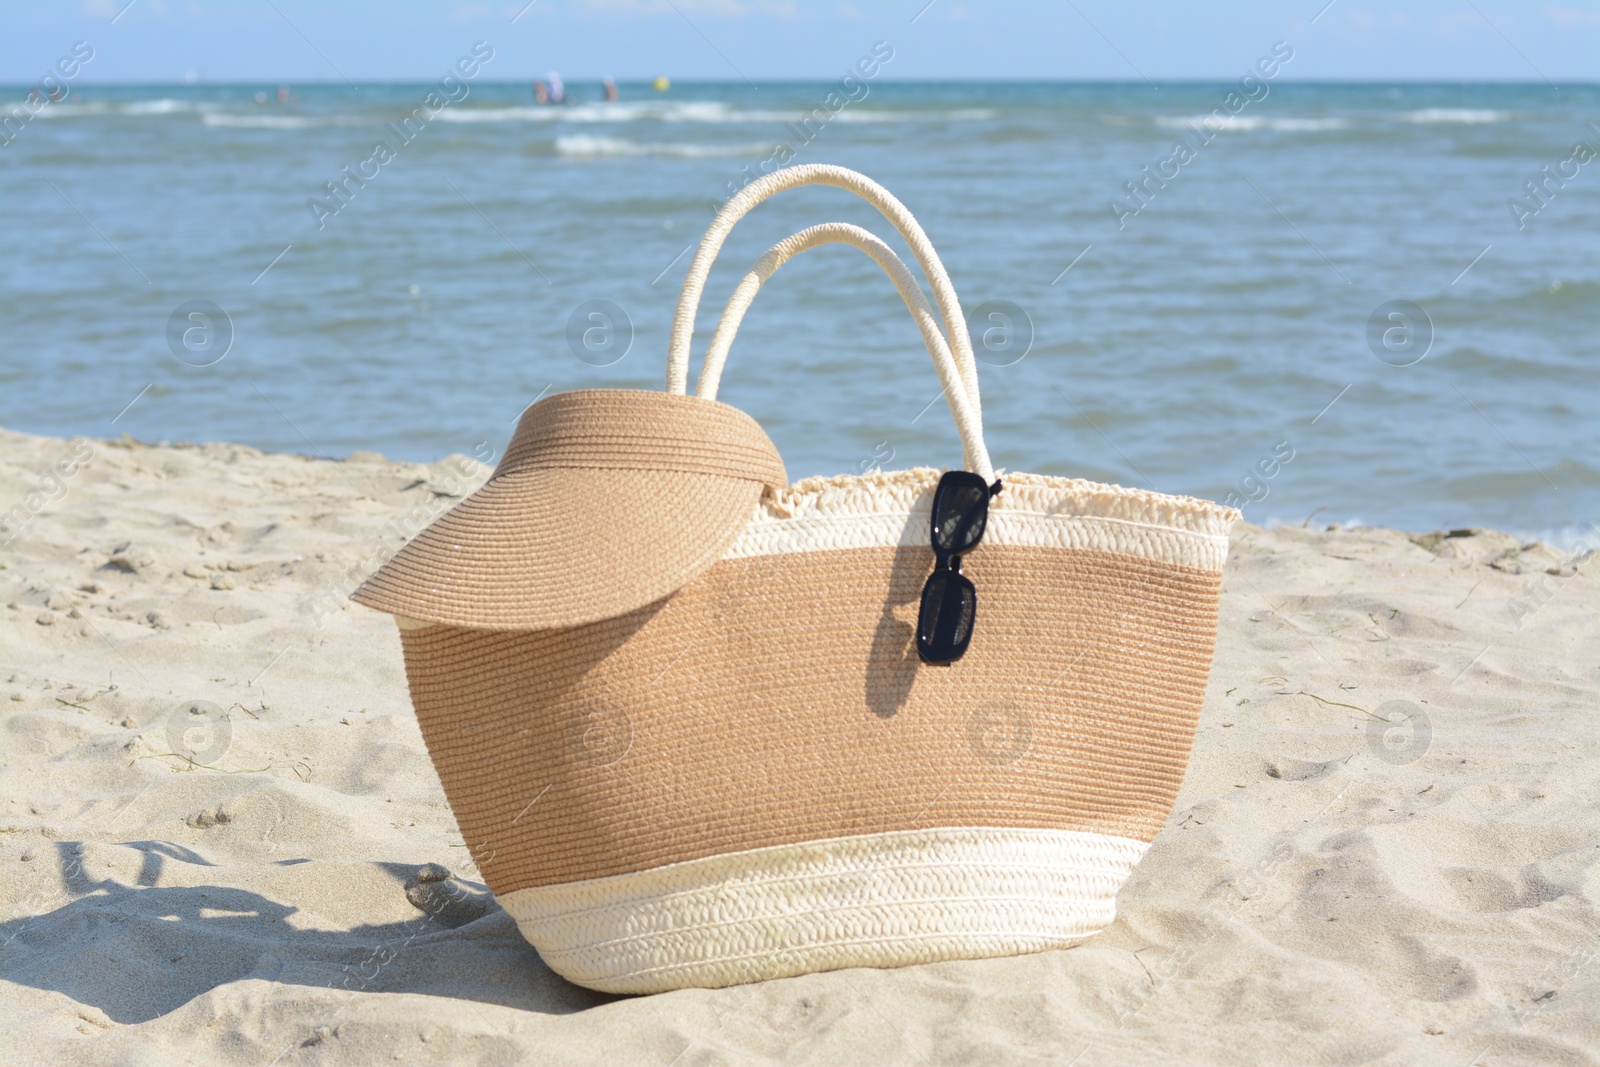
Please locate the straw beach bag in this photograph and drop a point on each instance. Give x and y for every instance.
(700, 726)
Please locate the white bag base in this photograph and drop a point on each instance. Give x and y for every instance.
(877, 900)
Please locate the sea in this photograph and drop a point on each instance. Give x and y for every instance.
(1343, 303)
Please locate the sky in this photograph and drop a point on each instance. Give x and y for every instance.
(247, 41)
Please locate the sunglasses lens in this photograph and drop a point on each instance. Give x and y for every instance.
(960, 512)
(944, 625)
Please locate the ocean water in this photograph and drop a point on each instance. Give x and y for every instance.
(1332, 307)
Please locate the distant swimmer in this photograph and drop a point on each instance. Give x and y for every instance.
(611, 90)
(661, 84)
(558, 91)
(285, 96)
(541, 93)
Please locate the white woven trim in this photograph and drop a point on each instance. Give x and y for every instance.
(891, 509)
(875, 900)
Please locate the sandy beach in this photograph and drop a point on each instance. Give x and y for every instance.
(1385, 850)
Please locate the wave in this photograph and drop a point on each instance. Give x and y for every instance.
(965, 114)
(708, 112)
(1580, 294)
(263, 122)
(502, 114)
(161, 107)
(698, 111)
(1490, 363)
(71, 107)
(1246, 123)
(1575, 539)
(659, 111)
(586, 146)
(1455, 114)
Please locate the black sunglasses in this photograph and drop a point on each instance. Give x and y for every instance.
(949, 599)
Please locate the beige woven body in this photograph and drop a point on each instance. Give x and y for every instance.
(754, 775)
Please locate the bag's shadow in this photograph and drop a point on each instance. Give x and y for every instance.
(892, 662)
(139, 951)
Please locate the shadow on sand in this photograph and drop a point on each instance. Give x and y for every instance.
(139, 951)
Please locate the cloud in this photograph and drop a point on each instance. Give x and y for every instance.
(780, 9)
(1573, 18)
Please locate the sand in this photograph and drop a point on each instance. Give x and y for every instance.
(1331, 887)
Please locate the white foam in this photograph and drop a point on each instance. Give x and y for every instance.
(1306, 124)
(262, 122)
(1246, 123)
(158, 107)
(659, 111)
(710, 112)
(970, 114)
(1456, 114)
(587, 146)
(75, 107)
(500, 114)
(1575, 540)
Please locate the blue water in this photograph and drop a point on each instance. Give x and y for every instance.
(1191, 348)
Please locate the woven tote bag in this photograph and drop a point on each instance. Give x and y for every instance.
(684, 711)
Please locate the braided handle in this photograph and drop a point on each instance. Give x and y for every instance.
(694, 282)
(961, 405)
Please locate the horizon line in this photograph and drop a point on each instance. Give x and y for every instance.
(646, 79)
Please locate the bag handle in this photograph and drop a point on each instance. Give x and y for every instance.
(694, 282)
(961, 404)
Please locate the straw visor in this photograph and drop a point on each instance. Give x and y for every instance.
(606, 500)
